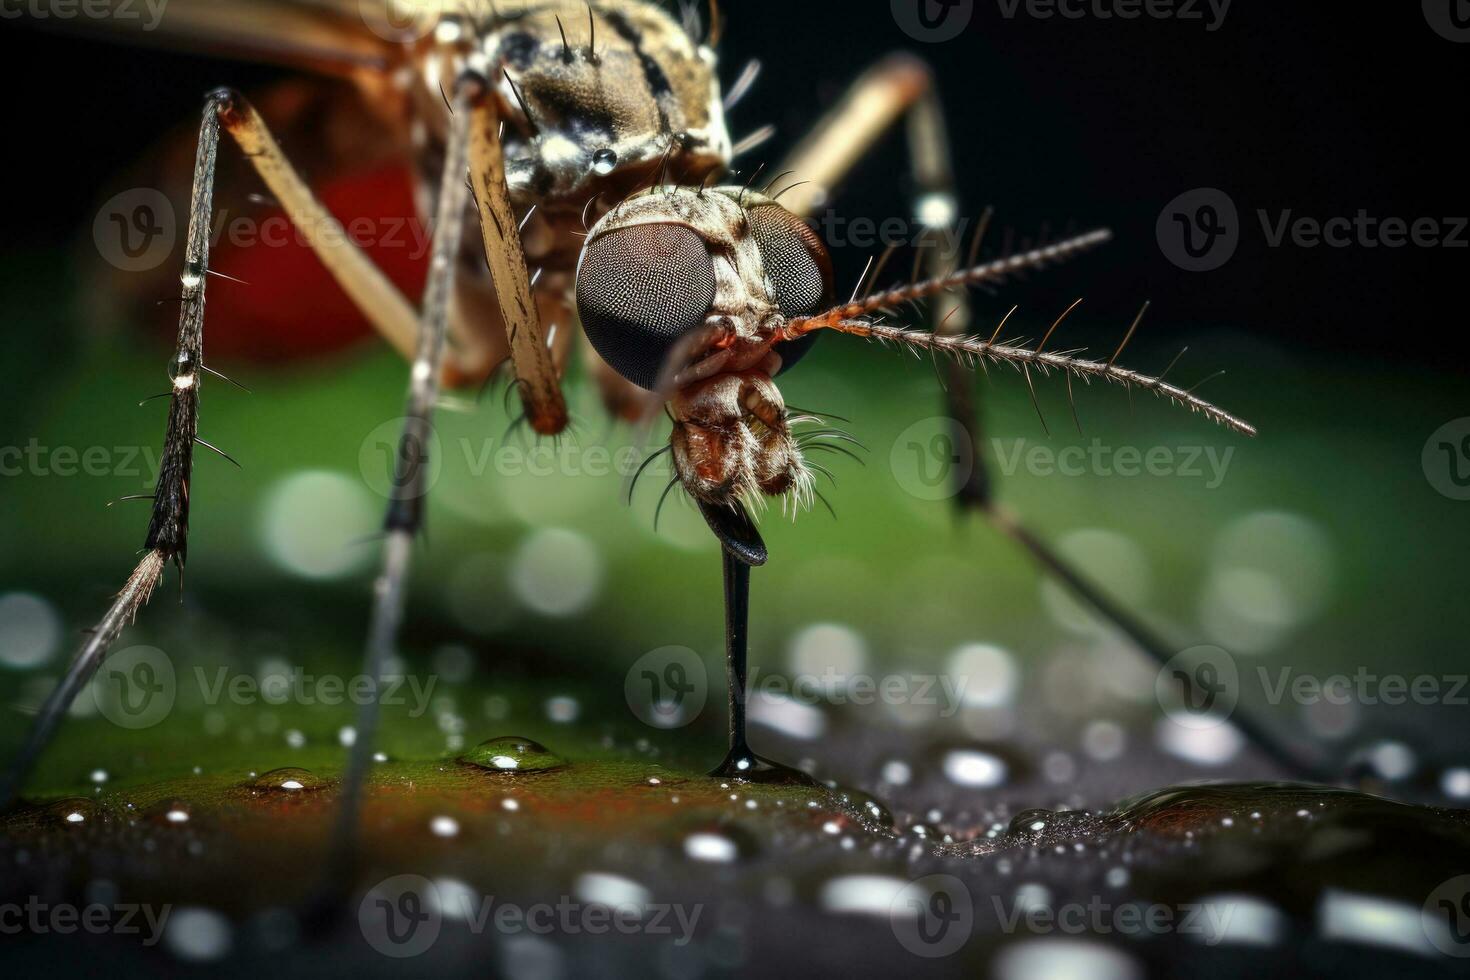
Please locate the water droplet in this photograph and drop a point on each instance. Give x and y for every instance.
(74, 812)
(604, 161)
(511, 753)
(287, 780)
(444, 827)
(870, 808)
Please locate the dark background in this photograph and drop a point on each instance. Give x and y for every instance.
(1321, 109)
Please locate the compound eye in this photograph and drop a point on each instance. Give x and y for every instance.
(639, 289)
(796, 261)
(798, 267)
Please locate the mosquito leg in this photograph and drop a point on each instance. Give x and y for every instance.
(168, 528)
(406, 511)
(536, 373)
(370, 291)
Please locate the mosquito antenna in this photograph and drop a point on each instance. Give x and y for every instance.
(972, 349)
(999, 270)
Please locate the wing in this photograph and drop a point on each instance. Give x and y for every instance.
(330, 36)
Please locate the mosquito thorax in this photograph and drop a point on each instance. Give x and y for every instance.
(595, 97)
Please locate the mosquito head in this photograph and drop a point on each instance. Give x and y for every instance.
(685, 292)
(603, 97)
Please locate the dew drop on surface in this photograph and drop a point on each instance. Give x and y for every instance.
(30, 630)
(973, 768)
(511, 753)
(286, 781)
(198, 935)
(604, 161)
(870, 808)
(74, 812)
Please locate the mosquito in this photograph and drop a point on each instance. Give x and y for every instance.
(559, 111)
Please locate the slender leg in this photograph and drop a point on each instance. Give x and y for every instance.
(903, 87)
(406, 511)
(535, 373)
(168, 529)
